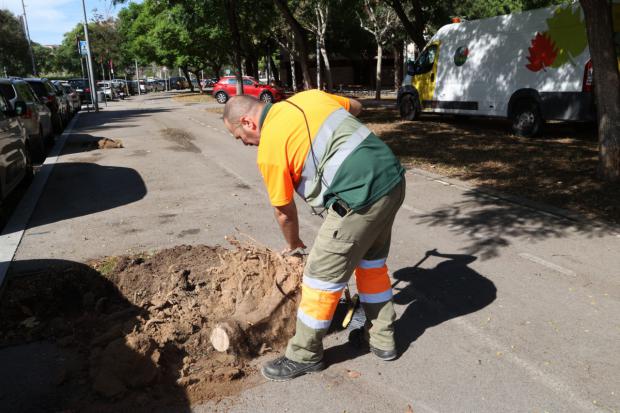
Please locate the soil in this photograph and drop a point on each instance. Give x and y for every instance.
(139, 325)
(558, 167)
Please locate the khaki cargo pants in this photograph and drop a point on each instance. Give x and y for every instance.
(358, 241)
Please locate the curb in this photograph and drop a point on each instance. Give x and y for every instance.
(540, 207)
(16, 226)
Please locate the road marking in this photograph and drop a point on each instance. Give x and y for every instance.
(547, 264)
(548, 380)
(14, 229)
(412, 209)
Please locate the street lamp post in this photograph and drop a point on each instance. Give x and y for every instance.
(34, 68)
(89, 63)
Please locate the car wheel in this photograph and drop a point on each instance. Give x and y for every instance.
(266, 97)
(409, 107)
(29, 173)
(37, 147)
(526, 119)
(221, 97)
(56, 123)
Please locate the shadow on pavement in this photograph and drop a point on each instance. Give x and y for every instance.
(90, 121)
(77, 189)
(450, 289)
(491, 223)
(68, 343)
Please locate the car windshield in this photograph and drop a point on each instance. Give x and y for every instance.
(39, 88)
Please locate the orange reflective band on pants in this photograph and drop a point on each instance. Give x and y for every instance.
(317, 306)
(373, 282)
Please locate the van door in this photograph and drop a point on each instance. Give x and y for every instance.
(425, 74)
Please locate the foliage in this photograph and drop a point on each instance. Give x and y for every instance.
(14, 57)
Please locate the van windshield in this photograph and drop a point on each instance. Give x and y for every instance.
(425, 62)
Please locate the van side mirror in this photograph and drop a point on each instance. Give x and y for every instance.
(20, 108)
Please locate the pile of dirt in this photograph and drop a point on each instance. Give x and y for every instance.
(141, 324)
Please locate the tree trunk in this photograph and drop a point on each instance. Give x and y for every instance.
(293, 77)
(328, 69)
(189, 79)
(414, 30)
(198, 78)
(378, 74)
(398, 66)
(300, 41)
(231, 12)
(606, 85)
(274, 70)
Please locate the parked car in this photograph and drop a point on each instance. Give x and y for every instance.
(48, 95)
(64, 101)
(132, 87)
(227, 87)
(82, 87)
(37, 118)
(178, 83)
(15, 162)
(73, 105)
(155, 86)
(208, 82)
(74, 95)
(108, 89)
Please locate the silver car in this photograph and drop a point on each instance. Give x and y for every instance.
(37, 119)
(15, 161)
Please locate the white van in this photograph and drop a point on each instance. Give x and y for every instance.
(528, 67)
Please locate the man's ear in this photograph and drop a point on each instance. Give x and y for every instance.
(248, 122)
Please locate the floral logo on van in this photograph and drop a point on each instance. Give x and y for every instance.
(565, 39)
(460, 56)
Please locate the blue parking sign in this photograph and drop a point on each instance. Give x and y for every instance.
(83, 50)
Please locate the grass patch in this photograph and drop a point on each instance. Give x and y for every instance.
(196, 97)
(557, 168)
(106, 265)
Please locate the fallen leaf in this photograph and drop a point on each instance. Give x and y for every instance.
(353, 374)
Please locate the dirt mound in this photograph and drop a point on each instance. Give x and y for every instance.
(142, 323)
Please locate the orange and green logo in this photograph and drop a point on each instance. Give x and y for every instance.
(564, 40)
(460, 56)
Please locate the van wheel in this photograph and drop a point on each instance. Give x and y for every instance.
(526, 119)
(409, 108)
(221, 97)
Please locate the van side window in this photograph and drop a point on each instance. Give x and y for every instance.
(425, 62)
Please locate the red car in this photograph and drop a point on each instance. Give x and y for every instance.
(227, 87)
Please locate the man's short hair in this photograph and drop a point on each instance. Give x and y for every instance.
(238, 106)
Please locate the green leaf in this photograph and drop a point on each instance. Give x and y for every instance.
(567, 29)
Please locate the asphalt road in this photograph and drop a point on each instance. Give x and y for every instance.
(513, 310)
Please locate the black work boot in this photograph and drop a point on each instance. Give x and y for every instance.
(358, 339)
(283, 369)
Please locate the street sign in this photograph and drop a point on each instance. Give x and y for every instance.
(83, 50)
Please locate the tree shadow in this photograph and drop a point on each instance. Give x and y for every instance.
(491, 223)
(113, 118)
(68, 342)
(450, 289)
(76, 189)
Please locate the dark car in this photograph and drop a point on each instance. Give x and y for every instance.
(47, 94)
(15, 162)
(227, 87)
(178, 83)
(36, 118)
(82, 87)
(64, 101)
